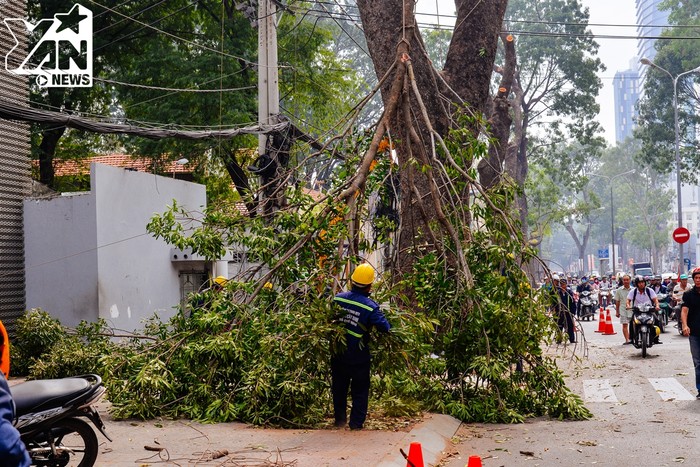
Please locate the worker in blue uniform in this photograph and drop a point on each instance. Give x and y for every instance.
(350, 368)
(12, 450)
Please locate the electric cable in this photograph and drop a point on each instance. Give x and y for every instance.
(175, 90)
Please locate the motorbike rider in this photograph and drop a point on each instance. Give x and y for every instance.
(583, 286)
(604, 294)
(640, 295)
(12, 450)
(677, 297)
(657, 285)
(350, 367)
(667, 283)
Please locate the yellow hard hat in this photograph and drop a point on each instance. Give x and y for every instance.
(267, 286)
(363, 275)
(220, 281)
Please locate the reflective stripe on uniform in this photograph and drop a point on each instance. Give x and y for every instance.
(353, 333)
(353, 302)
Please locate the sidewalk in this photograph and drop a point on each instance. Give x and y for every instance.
(189, 443)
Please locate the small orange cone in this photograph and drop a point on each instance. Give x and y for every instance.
(474, 461)
(601, 321)
(415, 455)
(609, 330)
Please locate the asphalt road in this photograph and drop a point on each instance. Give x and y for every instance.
(645, 411)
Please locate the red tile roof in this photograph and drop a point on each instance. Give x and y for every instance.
(82, 166)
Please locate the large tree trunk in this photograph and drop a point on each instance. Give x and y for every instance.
(395, 45)
(47, 149)
(491, 168)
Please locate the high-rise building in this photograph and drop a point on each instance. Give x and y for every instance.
(650, 23)
(626, 93)
(628, 84)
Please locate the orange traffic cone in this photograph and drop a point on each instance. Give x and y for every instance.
(474, 461)
(415, 455)
(601, 321)
(609, 330)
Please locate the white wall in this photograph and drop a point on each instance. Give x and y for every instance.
(61, 257)
(90, 256)
(129, 256)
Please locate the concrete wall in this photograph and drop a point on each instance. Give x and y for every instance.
(61, 257)
(90, 255)
(129, 256)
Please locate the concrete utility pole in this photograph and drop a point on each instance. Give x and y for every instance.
(270, 157)
(268, 86)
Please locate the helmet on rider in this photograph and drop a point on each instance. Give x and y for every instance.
(638, 279)
(695, 272)
(684, 277)
(363, 275)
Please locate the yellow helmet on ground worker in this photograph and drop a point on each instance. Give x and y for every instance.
(220, 281)
(363, 275)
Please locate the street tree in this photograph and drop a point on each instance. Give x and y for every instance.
(209, 52)
(554, 88)
(643, 200)
(655, 121)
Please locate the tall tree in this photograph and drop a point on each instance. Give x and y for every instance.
(554, 88)
(183, 64)
(643, 201)
(419, 103)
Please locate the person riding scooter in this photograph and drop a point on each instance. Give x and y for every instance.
(639, 295)
(677, 297)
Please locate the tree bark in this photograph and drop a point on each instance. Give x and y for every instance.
(47, 149)
(491, 167)
(393, 38)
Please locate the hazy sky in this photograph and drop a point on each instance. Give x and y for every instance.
(615, 53)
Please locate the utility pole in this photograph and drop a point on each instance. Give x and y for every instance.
(270, 156)
(268, 86)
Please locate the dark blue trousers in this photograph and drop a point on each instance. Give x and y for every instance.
(353, 377)
(695, 353)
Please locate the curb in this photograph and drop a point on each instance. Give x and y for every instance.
(434, 434)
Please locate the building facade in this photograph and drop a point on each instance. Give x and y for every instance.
(650, 23)
(626, 94)
(15, 179)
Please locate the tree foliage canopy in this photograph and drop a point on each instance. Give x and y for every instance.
(656, 112)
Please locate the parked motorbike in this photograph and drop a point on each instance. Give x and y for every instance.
(644, 331)
(50, 418)
(588, 305)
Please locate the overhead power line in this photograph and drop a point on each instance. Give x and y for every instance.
(158, 88)
(12, 111)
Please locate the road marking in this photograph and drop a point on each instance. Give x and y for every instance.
(670, 389)
(598, 390)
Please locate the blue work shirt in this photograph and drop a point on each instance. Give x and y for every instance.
(361, 314)
(12, 450)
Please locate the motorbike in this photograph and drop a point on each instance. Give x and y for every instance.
(644, 331)
(605, 297)
(664, 310)
(50, 417)
(588, 305)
